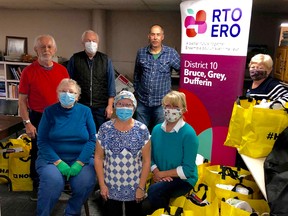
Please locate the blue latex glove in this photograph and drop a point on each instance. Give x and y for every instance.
(75, 169)
(64, 168)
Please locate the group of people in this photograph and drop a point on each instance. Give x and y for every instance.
(67, 113)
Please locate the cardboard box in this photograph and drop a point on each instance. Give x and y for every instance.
(122, 82)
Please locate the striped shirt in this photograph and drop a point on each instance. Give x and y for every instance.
(152, 77)
(269, 89)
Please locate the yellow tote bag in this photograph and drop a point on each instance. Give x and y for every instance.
(217, 174)
(4, 161)
(258, 205)
(201, 172)
(19, 173)
(238, 117)
(261, 129)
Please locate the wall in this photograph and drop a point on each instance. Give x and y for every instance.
(122, 33)
(65, 26)
(128, 31)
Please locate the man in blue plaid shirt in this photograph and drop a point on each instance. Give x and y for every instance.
(152, 77)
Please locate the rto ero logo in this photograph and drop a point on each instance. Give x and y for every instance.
(195, 26)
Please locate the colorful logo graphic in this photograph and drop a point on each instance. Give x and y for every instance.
(195, 26)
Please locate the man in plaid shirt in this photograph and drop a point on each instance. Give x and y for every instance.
(152, 77)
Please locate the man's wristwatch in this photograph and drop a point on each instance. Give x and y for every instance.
(25, 122)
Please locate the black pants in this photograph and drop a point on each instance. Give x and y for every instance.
(35, 118)
(115, 208)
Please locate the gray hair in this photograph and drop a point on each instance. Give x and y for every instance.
(89, 31)
(67, 81)
(39, 37)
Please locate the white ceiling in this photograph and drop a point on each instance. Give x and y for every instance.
(273, 6)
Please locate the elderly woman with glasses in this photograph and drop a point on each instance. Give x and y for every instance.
(174, 145)
(122, 159)
(66, 143)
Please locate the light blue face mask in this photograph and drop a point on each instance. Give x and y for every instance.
(67, 99)
(124, 113)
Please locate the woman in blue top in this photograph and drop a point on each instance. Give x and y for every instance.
(122, 159)
(174, 145)
(66, 143)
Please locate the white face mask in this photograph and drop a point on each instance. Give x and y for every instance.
(172, 115)
(91, 47)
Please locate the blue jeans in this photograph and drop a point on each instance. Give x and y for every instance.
(150, 116)
(52, 184)
(160, 193)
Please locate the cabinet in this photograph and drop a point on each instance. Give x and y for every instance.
(10, 73)
(281, 64)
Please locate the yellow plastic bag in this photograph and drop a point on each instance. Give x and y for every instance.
(19, 173)
(19, 147)
(261, 129)
(206, 194)
(260, 206)
(217, 174)
(17, 155)
(236, 124)
(201, 171)
(208, 207)
(4, 161)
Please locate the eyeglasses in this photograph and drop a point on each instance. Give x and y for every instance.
(119, 104)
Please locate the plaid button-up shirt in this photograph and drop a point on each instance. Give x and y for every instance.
(152, 77)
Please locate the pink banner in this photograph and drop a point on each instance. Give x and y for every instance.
(213, 56)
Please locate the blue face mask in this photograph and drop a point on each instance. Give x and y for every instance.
(67, 99)
(124, 113)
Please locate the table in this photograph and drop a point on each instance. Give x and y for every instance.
(256, 168)
(10, 125)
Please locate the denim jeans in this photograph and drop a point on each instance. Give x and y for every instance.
(150, 116)
(52, 184)
(160, 193)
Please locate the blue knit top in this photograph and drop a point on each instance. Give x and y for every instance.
(66, 134)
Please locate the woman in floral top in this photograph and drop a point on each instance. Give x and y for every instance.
(122, 159)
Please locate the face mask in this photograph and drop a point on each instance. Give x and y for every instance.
(91, 47)
(258, 74)
(172, 115)
(124, 113)
(67, 99)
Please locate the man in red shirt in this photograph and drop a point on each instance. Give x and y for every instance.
(37, 90)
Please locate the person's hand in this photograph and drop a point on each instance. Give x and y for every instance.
(156, 176)
(140, 195)
(167, 179)
(109, 111)
(104, 191)
(64, 168)
(30, 130)
(75, 169)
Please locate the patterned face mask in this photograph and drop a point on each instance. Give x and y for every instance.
(172, 115)
(258, 74)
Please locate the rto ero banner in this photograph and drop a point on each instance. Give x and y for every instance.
(213, 56)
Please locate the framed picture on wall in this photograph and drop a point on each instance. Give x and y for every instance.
(16, 46)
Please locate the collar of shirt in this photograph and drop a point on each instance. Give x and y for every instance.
(176, 128)
(164, 48)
